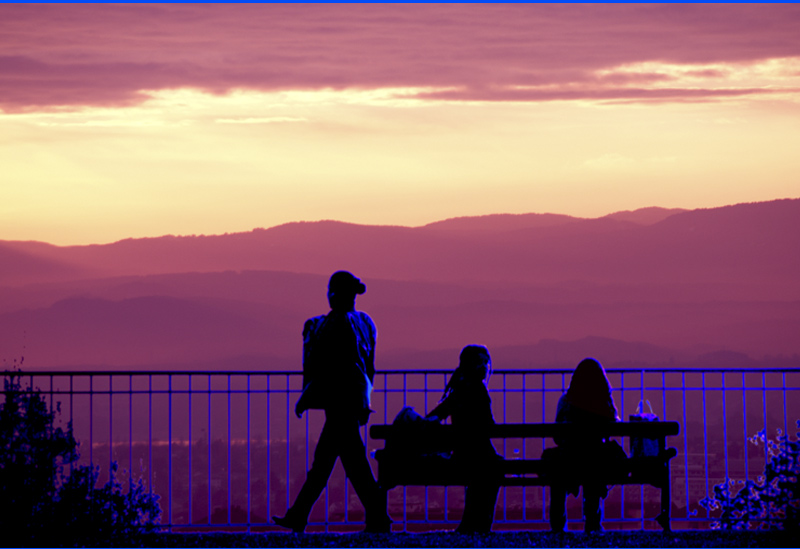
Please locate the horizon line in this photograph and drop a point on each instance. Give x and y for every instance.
(344, 222)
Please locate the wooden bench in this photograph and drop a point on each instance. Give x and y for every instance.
(397, 467)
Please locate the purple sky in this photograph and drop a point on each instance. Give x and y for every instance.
(54, 55)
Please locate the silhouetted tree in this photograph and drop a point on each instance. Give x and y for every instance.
(39, 501)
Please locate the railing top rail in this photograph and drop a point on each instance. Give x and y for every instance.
(443, 371)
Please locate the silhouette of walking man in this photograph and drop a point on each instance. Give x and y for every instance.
(338, 370)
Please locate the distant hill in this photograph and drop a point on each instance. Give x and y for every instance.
(26, 262)
(536, 288)
(646, 216)
(206, 318)
(497, 223)
(751, 244)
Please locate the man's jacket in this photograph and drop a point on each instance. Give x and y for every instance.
(338, 363)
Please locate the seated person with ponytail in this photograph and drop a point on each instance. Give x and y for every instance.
(466, 400)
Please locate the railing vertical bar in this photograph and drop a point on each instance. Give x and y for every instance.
(208, 449)
(785, 412)
(505, 446)
(641, 487)
(169, 446)
(744, 420)
(764, 403)
(130, 427)
(72, 407)
(150, 429)
(542, 442)
(249, 486)
(269, 444)
(405, 491)
(191, 446)
(725, 426)
(425, 411)
(705, 433)
(229, 449)
(288, 444)
(524, 441)
(110, 423)
(664, 412)
(622, 408)
(425, 392)
(308, 414)
(444, 384)
(91, 418)
(685, 443)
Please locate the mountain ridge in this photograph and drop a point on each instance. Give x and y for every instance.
(545, 253)
(719, 280)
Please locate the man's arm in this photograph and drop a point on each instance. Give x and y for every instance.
(442, 410)
(373, 334)
(310, 365)
(366, 337)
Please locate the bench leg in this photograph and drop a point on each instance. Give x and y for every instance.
(666, 502)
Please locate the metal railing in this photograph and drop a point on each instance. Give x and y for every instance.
(224, 450)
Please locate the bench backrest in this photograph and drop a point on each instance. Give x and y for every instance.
(653, 429)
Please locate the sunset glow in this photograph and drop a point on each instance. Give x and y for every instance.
(130, 121)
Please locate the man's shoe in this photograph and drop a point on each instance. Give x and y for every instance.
(286, 522)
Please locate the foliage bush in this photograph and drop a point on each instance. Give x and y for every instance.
(108, 512)
(773, 502)
(40, 501)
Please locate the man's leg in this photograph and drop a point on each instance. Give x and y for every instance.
(356, 467)
(325, 455)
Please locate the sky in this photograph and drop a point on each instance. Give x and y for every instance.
(121, 121)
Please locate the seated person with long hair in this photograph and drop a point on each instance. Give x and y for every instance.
(587, 401)
(466, 400)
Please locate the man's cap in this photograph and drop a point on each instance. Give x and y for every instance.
(345, 282)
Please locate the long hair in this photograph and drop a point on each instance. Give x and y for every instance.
(471, 362)
(590, 390)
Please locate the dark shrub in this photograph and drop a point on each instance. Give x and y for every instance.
(32, 455)
(41, 502)
(107, 512)
(773, 501)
